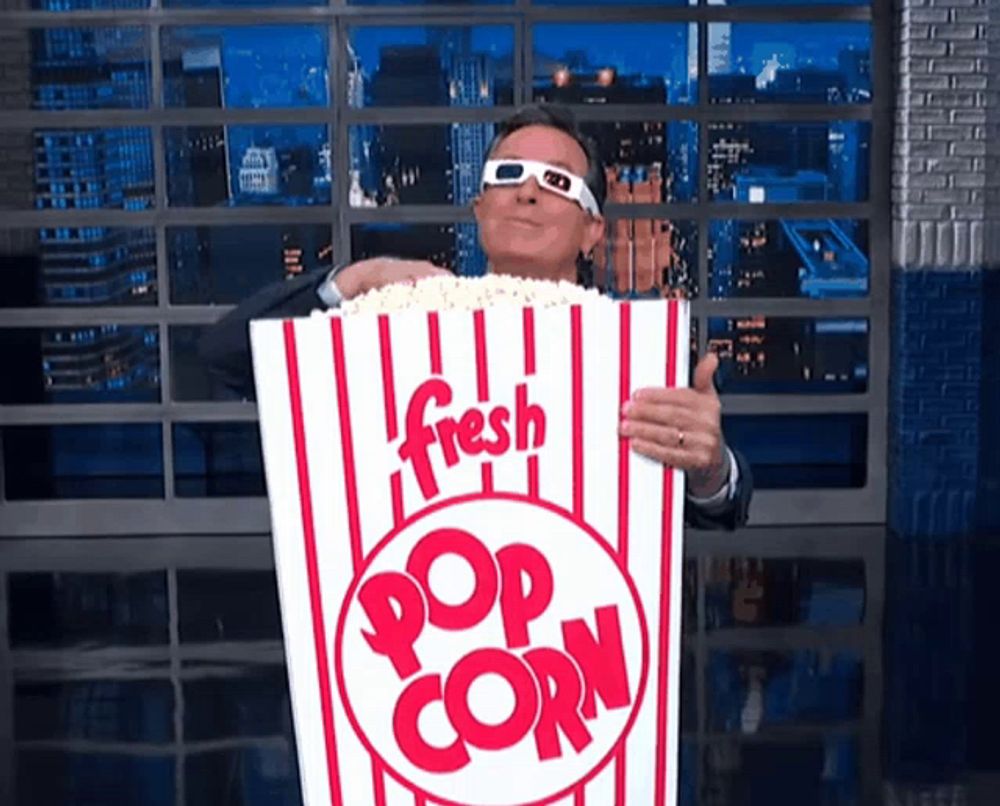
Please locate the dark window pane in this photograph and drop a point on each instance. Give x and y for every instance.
(191, 378)
(802, 451)
(94, 364)
(648, 257)
(451, 246)
(83, 461)
(61, 777)
(816, 258)
(434, 164)
(77, 266)
(430, 66)
(246, 66)
(225, 265)
(228, 606)
(689, 694)
(751, 592)
(217, 459)
(75, 68)
(248, 165)
(587, 62)
(790, 62)
(750, 692)
(648, 162)
(819, 768)
(255, 704)
(60, 609)
(760, 163)
(266, 774)
(783, 354)
(77, 169)
(100, 710)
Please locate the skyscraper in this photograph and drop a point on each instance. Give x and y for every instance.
(470, 83)
(87, 68)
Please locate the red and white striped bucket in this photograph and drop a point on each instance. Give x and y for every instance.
(480, 583)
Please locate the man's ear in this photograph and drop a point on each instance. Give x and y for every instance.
(593, 231)
(476, 201)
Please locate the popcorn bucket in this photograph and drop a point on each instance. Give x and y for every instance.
(480, 582)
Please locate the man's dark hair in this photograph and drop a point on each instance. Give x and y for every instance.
(561, 118)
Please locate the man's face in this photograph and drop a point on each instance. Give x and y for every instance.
(532, 232)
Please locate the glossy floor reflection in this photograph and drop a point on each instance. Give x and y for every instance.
(821, 666)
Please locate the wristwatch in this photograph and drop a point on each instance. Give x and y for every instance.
(328, 291)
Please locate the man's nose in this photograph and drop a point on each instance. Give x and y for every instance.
(527, 191)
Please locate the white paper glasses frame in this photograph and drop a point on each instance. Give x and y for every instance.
(549, 177)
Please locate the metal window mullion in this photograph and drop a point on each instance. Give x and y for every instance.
(410, 214)
(424, 115)
(819, 404)
(173, 613)
(520, 92)
(342, 145)
(860, 307)
(7, 766)
(528, 60)
(336, 92)
(701, 565)
(430, 13)
(702, 198)
(101, 315)
(316, 115)
(162, 280)
(133, 413)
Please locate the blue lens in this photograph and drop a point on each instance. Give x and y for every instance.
(510, 171)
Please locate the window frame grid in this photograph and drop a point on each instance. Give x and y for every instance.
(866, 504)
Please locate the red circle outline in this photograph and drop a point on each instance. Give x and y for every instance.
(462, 499)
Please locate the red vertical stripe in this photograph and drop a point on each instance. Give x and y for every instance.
(347, 441)
(434, 339)
(482, 368)
(533, 476)
(388, 385)
(624, 392)
(528, 320)
(312, 564)
(665, 573)
(482, 382)
(576, 358)
(391, 425)
(378, 782)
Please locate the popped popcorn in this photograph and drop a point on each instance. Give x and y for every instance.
(468, 293)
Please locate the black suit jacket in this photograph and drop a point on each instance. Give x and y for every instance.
(225, 347)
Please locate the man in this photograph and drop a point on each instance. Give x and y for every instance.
(539, 216)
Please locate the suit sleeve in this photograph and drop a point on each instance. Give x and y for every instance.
(735, 514)
(225, 346)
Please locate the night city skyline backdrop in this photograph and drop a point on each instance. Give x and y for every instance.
(587, 64)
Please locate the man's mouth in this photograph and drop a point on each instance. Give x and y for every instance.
(524, 222)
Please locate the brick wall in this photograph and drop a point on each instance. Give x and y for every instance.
(946, 248)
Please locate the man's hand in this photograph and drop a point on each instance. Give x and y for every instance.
(682, 428)
(376, 272)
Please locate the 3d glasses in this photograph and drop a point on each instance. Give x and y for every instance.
(498, 173)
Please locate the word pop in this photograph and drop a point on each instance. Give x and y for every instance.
(555, 689)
